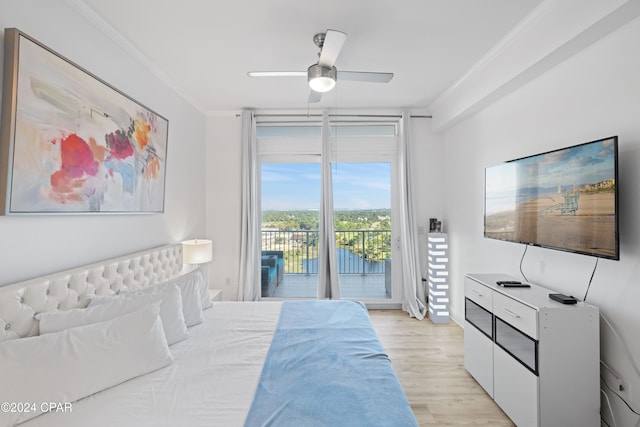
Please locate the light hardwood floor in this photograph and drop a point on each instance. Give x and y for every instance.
(428, 359)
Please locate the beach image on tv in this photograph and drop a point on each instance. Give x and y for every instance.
(564, 199)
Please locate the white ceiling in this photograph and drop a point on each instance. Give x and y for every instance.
(205, 48)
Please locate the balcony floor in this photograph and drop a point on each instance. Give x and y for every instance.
(370, 286)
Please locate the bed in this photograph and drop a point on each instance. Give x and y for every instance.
(271, 363)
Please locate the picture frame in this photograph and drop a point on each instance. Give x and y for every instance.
(70, 143)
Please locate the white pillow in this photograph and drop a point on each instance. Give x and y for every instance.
(75, 363)
(191, 285)
(56, 321)
(107, 307)
(204, 289)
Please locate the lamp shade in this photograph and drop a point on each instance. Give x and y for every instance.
(197, 251)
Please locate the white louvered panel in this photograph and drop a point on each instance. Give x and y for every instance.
(438, 276)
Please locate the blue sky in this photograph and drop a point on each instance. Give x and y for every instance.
(578, 165)
(574, 166)
(288, 186)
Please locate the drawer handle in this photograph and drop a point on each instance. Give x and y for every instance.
(516, 315)
(476, 293)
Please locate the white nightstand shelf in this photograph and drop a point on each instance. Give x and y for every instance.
(215, 294)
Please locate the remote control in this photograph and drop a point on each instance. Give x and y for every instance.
(564, 299)
(512, 284)
(508, 282)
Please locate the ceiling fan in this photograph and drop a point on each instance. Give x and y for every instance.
(322, 75)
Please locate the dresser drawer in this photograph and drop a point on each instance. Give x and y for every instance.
(478, 293)
(515, 313)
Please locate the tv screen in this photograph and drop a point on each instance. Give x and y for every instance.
(565, 199)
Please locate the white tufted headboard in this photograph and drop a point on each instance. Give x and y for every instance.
(20, 302)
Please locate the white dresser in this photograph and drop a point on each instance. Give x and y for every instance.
(539, 359)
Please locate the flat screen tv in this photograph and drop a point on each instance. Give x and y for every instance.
(565, 199)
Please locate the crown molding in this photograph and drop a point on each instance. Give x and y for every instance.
(553, 32)
(96, 20)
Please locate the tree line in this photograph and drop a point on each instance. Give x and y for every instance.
(362, 219)
(376, 246)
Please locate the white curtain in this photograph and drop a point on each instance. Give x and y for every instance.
(250, 288)
(328, 286)
(413, 300)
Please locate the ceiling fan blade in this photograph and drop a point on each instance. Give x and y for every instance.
(277, 74)
(314, 97)
(364, 76)
(333, 41)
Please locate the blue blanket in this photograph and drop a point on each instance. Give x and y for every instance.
(326, 367)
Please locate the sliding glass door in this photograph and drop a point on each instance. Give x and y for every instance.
(362, 160)
(362, 220)
(290, 218)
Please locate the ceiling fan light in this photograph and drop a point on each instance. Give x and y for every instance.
(322, 84)
(321, 79)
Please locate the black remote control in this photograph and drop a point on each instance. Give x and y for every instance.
(512, 284)
(508, 282)
(564, 299)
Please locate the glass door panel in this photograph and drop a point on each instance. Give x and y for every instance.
(522, 347)
(290, 197)
(479, 317)
(362, 222)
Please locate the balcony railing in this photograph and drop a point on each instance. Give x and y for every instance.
(357, 251)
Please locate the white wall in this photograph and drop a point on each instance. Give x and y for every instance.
(224, 191)
(594, 94)
(428, 172)
(34, 245)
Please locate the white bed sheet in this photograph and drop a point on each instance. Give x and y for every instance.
(211, 382)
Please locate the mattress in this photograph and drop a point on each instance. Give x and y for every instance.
(211, 382)
(292, 363)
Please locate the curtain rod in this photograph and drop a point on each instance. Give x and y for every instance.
(383, 116)
(381, 123)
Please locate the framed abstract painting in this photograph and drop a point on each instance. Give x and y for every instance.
(72, 143)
